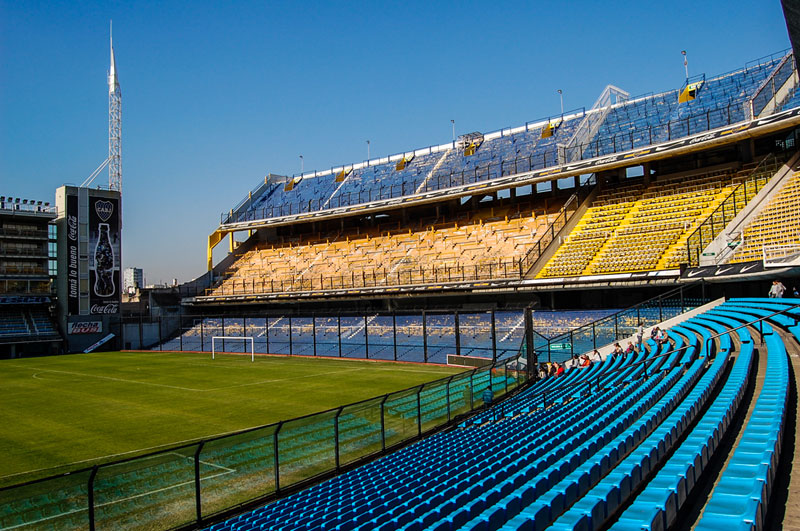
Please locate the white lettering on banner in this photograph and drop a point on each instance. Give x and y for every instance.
(109, 308)
(85, 327)
(72, 227)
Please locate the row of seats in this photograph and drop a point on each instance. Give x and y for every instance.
(636, 228)
(631, 124)
(777, 224)
(622, 444)
(485, 247)
(26, 322)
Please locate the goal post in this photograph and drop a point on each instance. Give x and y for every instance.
(214, 340)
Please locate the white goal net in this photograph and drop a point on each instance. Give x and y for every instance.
(218, 344)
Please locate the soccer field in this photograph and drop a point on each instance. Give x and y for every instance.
(65, 412)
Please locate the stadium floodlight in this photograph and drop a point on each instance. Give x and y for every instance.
(685, 64)
(302, 165)
(241, 338)
(367, 150)
(454, 130)
(561, 97)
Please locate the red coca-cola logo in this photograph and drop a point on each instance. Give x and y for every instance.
(105, 308)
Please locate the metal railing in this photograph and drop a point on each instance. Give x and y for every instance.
(624, 323)
(562, 218)
(187, 484)
(375, 278)
(233, 215)
(736, 201)
(407, 273)
(649, 360)
(770, 87)
(599, 147)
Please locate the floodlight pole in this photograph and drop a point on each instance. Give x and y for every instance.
(685, 64)
(453, 122)
(367, 150)
(114, 124)
(561, 97)
(302, 165)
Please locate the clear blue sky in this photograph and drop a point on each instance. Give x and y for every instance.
(216, 95)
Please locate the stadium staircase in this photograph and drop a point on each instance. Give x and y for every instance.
(627, 444)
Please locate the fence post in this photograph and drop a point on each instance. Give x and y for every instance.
(336, 435)
(594, 337)
(424, 336)
(314, 332)
(266, 332)
(471, 390)
(383, 423)
(394, 334)
(448, 397)
(339, 330)
(276, 460)
(571, 344)
(458, 334)
(197, 481)
(291, 349)
(366, 338)
(494, 337)
(90, 488)
(531, 357)
(419, 412)
(505, 375)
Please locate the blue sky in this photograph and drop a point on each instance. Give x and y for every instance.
(216, 95)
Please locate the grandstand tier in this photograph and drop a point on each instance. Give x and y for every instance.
(633, 190)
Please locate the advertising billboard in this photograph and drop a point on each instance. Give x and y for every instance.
(73, 293)
(104, 256)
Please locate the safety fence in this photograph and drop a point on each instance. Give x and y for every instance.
(188, 484)
(422, 337)
(623, 324)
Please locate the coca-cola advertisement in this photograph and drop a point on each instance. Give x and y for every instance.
(73, 293)
(104, 256)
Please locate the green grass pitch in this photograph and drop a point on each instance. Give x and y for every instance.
(65, 412)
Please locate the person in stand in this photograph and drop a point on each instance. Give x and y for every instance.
(543, 371)
(618, 350)
(585, 361)
(654, 333)
(639, 335)
(488, 396)
(596, 357)
(777, 290)
(795, 294)
(662, 337)
(559, 369)
(630, 349)
(553, 369)
(573, 363)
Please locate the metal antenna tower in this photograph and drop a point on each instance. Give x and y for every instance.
(114, 124)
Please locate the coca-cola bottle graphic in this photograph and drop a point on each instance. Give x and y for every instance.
(104, 264)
